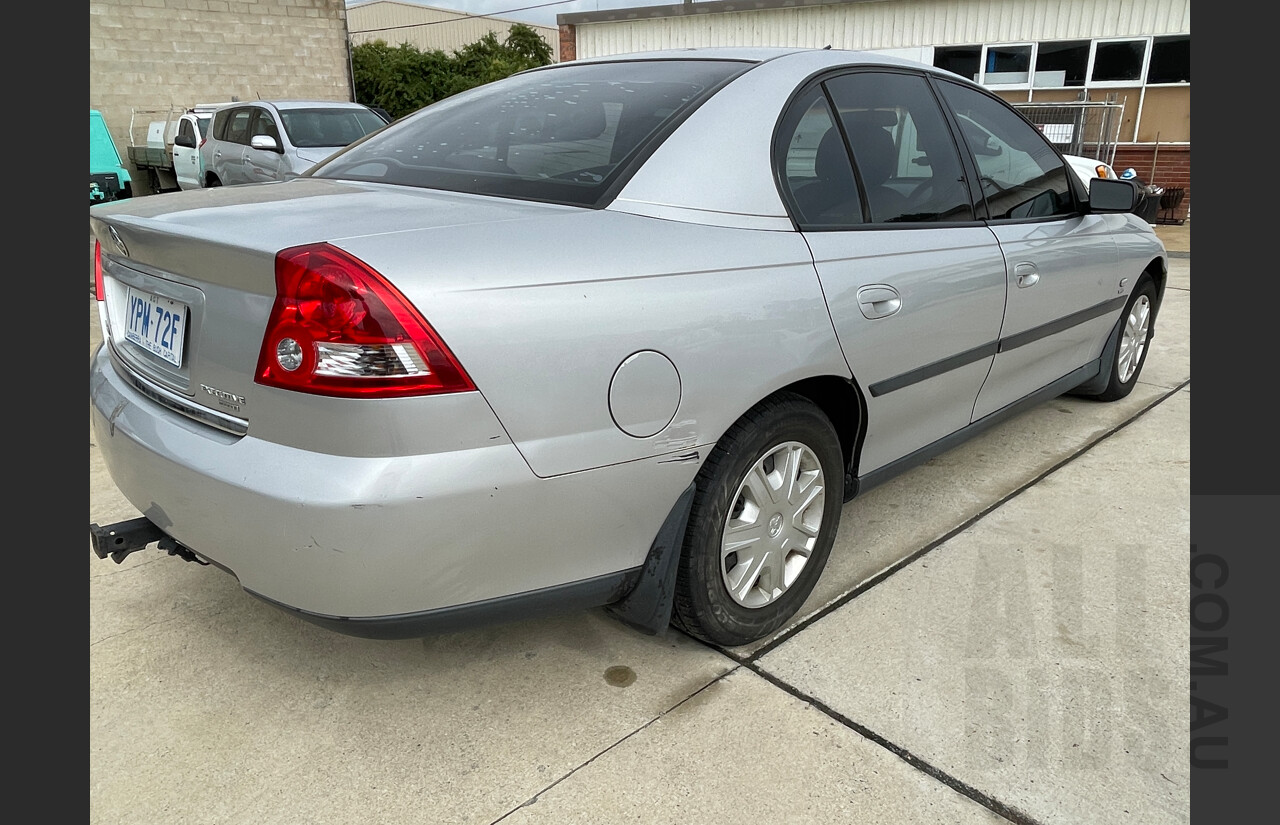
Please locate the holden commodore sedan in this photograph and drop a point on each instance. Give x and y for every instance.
(625, 331)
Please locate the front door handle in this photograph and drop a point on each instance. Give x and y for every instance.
(878, 301)
(1026, 275)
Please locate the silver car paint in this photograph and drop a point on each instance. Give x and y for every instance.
(739, 313)
(240, 164)
(950, 284)
(696, 175)
(376, 536)
(1054, 269)
(390, 514)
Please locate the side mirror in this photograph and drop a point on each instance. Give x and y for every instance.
(1113, 195)
(184, 140)
(265, 142)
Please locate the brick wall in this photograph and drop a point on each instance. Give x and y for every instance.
(1172, 170)
(157, 54)
(568, 42)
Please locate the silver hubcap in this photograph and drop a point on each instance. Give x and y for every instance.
(773, 524)
(1134, 340)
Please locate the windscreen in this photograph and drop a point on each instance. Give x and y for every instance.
(314, 128)
(562, 134)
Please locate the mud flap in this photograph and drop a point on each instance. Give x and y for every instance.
(647, 607)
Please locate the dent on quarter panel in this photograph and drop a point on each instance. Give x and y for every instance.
(739, 313)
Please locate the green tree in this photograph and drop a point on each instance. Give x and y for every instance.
(403, 79)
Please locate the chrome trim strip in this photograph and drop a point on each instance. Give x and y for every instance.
(184, 406)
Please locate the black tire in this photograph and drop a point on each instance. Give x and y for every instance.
(1133, 340)
(787, 425)
(213, 181)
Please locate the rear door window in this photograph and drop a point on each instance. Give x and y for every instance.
(883, 155)
(902, 147)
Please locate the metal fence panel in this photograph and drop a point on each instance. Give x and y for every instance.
(1087, 128)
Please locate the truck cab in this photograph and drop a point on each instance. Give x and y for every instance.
(170, 154)
(108, 179)
(193, 130)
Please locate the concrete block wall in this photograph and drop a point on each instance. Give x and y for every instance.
(153, 55)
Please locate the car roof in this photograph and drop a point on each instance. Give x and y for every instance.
(284, 105)
(761, 54)
(753, 54)
(737, 189)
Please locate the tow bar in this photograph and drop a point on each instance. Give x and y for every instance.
(124, 537)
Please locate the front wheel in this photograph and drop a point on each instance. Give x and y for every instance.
(763, 521)
(1135, 337)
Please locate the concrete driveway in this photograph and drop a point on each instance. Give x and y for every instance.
(1000, 635)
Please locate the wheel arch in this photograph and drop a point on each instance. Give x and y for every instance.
(843, 402)
(1158, 269)
(647, 606)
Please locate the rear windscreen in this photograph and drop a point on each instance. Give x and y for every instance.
(562, 134)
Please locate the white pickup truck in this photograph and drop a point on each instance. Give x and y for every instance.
(170, 153)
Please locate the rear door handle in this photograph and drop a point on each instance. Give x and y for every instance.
(878, 301)
(1026, 275)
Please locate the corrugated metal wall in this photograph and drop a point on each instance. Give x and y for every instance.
(892, 24)
(427, 28)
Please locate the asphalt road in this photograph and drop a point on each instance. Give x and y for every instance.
(1000, 635)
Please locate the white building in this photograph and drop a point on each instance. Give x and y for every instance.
(427, 29)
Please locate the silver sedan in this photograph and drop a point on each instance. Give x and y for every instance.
(624, 331)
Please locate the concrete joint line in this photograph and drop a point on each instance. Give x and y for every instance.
(994, 805)
(836, 604)
(533, 799)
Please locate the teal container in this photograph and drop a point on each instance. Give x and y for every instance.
(108, 179)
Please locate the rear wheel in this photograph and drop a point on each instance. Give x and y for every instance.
(213, 181)
(1135, 336)
(763, 521)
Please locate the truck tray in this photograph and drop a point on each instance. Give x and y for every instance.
(150, 156)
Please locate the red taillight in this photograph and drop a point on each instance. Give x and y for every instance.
(339, 328)
(97, 271)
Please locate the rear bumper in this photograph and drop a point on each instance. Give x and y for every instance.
(375, 544)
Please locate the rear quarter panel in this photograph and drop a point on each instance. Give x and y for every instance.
(542, 313)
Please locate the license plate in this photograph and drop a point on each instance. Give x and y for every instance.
(156, 324)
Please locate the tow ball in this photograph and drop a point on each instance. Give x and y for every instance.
(124, 537)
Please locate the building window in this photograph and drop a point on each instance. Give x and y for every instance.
(1119, 61)
(1007, 65)
(1170, 60)
(1062, 63)
(1071, 63)
(962, 60)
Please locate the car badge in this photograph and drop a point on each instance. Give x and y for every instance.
(115, 236)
